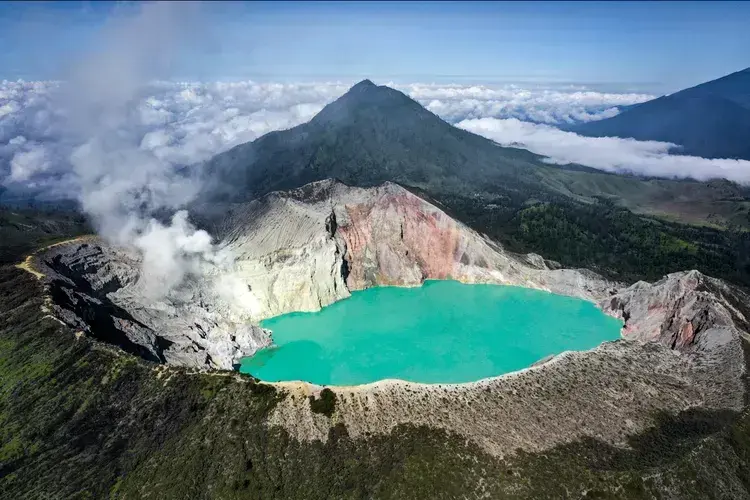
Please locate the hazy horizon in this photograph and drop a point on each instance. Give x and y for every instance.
(652, 47)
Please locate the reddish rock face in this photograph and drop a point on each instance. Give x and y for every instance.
(398, 240)
(686, 335)
(358, 237)
(677, 310)
(432, 239)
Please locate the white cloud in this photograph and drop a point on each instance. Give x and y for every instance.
(178, 123)
(611, 154)
(181, 123)
(25, 164)
(184, 123)
(543, 105)
(9, 108)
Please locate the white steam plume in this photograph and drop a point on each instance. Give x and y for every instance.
(121, 184)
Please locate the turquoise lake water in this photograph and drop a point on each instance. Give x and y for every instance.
(441, 332)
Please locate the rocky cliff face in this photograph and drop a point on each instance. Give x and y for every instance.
(681, 310)
(94, 288)
(702, 318)
(363, 237)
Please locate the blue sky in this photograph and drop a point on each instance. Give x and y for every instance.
(651, 46)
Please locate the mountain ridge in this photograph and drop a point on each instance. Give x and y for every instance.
(711, 119)
(371, 134)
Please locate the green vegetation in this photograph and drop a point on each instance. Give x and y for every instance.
(606, 238)
(325, 403)
(23, 230)
(620, 244)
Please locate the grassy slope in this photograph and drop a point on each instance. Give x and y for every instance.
(23, 230)
(602, 236)
(84, 420)
(717, 203)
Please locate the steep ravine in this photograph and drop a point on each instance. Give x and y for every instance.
(304, 249)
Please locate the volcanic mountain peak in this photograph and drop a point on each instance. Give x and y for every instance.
(363, 84)
(366, 98)
(369, 135)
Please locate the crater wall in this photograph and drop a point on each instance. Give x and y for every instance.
(682, 345)
(295, 251)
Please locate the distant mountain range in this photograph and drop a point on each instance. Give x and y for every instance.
(710, 120)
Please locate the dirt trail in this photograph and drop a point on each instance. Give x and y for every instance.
(28, 263)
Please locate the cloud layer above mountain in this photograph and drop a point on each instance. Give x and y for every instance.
(541, 105)
(180, 124)
(185, 123)
(612, 154)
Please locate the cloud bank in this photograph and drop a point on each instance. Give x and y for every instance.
(170, 124)
(184, 123)
(177, 123)
(611, 154)
(455, 103)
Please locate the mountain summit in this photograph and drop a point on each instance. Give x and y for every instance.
(363, 84)
(369, 135)
(366, 100)
(711, 119)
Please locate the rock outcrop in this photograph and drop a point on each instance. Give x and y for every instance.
(702, 318)
(303, 249)
(94, 288)
(680, 310)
